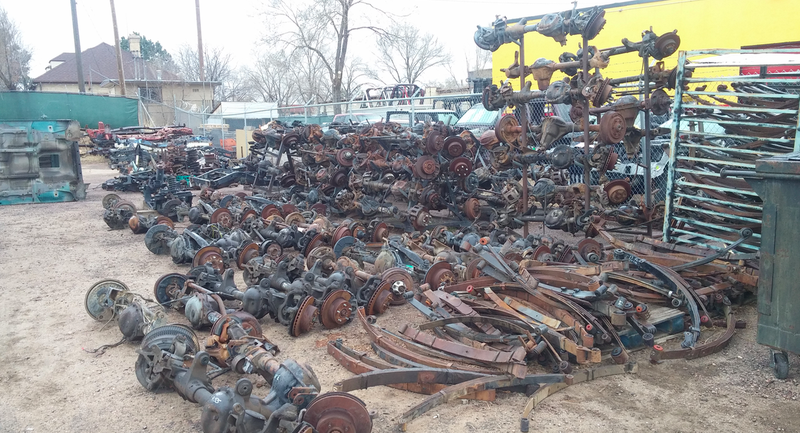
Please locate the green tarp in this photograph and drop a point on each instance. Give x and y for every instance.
(86, 109)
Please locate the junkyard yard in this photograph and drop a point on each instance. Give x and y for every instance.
(53, 385)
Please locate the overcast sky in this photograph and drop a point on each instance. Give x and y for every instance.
(238, 26)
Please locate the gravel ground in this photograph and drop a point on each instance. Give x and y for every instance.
(51, 254)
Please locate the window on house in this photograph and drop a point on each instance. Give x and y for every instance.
(49, 161)
(152, 94)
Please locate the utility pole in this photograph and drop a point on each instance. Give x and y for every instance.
(200, 42)
(119, 50)
(81, 85)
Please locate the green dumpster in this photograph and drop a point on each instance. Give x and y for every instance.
(777, 182)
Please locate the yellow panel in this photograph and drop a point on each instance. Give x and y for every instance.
(701, 24)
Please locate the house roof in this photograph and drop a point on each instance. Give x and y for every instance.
(63, 57)
(100, 63)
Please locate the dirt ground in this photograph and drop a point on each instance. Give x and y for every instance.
(51, 254)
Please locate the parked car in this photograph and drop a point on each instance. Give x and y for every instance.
(478, 119)
(348, 122)
(448, 117)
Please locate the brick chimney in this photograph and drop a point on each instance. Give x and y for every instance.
(135, 45)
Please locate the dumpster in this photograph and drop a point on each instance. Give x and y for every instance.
(777, 181)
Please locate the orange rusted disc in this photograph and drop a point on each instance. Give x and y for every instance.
(249, 213)
(165, 221)
(617, 191)
(440, 273)
(294, 218)
(316, 241)
(270, 210)
(612, 127)
(380, 300)
(304, 318)
(135, 225)
(336, 309)
(542, 253)
(472, 269)
(340, 232)
(209, 254)
(223, 217)
(472, 208)
(380, 233)
(288, 208)
(249, 252)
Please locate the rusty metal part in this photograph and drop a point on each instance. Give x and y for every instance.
(338, 412)
(440, 273)
(590, 250)
(434, 142)
(426, 167)
(211, 255)
(222, 217)
(461, 166)
(618, 191)
(612, 128)
(699, 350)
(454, 146)
(249, 252)
(345, 157)
(507, 129)
(305, 317)
(472, 208)
(336, 309)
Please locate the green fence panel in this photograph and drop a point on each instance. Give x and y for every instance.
(115, 111)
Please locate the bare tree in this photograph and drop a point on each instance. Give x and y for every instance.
(273, 79)
(481, 59)
(14, 57)
(406, 53)
(324, 28)
(218, 67)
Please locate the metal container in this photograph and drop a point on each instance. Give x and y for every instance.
(777, 182)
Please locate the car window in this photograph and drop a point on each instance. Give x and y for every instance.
(478, 114)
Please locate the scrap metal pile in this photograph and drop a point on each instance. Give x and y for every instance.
(172, 356)
(353, 224)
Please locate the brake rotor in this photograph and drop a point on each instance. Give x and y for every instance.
(336, 309)
(125, 206)
(472, 208)
(249, 252)
(472, 269)
(163, 338)
(454, 146)
(109, 200)
(602, 92)
(165, 221)
(507, 129)
(249, 213)
(288, 180)
(249, 323)
(338, 412)
(305, 317)
(270, 210)
(344, 157)
(542, 254)
(168, 288)
(617, 191)
(419, 217)
(211, 255)
(294, 218)
(320, 208)
(100, 299)
(271, 249)
(155, 239)
(440, 273)
(316, 241)
(276, 218)
(401, 282)
(595, 24)
(288, 208)
(340, 232)
(611, 162)
(222, 217)
(135, 224)
(380, 232)
(434, 142)
(379, 301)
(426, 167)
(357, 229)
(321, 253)
(612, 127)
(461, 166)
(339, 178)
(667, 44)
(590, 250)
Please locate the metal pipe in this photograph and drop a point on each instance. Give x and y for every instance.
(200, 42)
(648, 194)
(586, 170)
(755, 175)
(673, 145)
(118, 51)
(523, 114)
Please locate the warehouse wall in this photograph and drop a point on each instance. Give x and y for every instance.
(701, 24)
